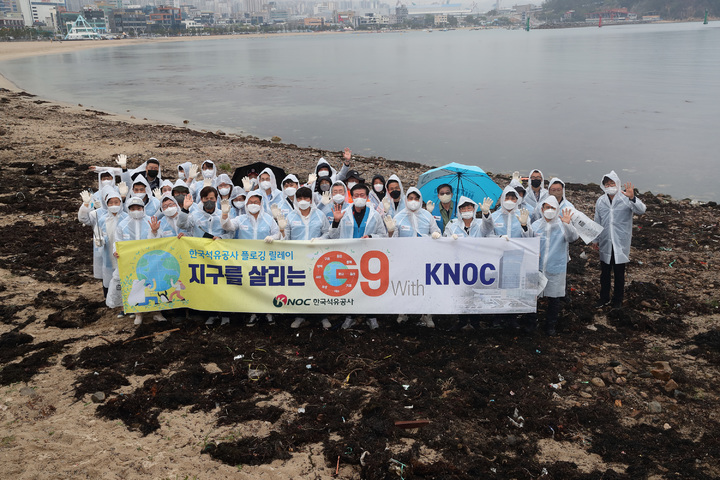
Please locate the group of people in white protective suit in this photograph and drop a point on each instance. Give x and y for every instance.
(140, 204)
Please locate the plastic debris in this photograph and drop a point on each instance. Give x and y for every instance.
(671, 263)
(308, 366)
(301, 410)
(517, 419)
(238, 357)
(666, 249)
(556, 386)
(406, 386)
(409, 407)
(362, 457)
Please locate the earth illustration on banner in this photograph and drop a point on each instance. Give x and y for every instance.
(158, 266)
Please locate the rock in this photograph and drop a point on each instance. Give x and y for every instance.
(661, 371)
(614, 363)
(598, 382)
(670, 386)
(98, 397)
(646, 375)
(619, 370)
(220, 132)
(654, 407)
(680, 395)
(620, 381)
(667, 426)
(212, 368)
(585, 395)
(28, 392)
(512, 440)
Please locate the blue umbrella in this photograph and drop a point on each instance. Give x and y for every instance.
(466, 180)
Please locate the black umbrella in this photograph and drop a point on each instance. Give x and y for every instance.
(243, 171)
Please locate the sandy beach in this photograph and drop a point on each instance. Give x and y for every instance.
(635, 391)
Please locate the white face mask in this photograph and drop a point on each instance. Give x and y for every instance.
(445, 198)
(114, 208)
(323, 173)
(239, 204)
(467, 215)
(265, 185)
(351, 184)
(378, 187)
(290, 191)
(338, 198)
(208, 173)
(360, 202)
(611, 190)
(224, 191)
(413, 204)
(137, 214)
(303, 204)
(509, 204)
(253, 208)
(550, 213)
(107, 183)
(170, 211)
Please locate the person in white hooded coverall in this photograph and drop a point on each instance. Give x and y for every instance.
(556, 233)
(536, 191)
(614, 211)
(414, 221)
(394, 201)
(465, 224)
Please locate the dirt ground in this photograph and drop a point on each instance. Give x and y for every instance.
(188, 401)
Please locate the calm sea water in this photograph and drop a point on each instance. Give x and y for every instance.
(642, 100)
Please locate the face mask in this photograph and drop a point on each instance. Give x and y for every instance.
(151, 173)
(239, 204)
(324, 188)
(467, 215)
(265, 185)
(107, 183)
(324, 173)
(114, 209)
(350, 185)
(170, 211)
(224, 191)
(378, 187)
(395, 195)
(303, 204)
(338, 198)
(536, 183)
(360, 202)
(208, 173)
(209, 206)
(445, 198)
(137, 214)
(253, 208)
(290, 191)
(509, 205)
(611, 190)
(413, 204)
(180, 199)
(550, 213)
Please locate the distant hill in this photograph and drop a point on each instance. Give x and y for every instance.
(667, 9)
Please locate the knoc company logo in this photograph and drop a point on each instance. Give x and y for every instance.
(280, 301)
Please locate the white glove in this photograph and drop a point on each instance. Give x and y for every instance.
(275, 210)
(505, 237)
(312, 240)
(516, 175)
(326, 198)
(158, 193)
(192, 173)
(523, 217)
(122, 161)
(247, 184)
(311, 178)
(429, 206)
(455, 236)
(207, 182)
(435, 235)
(386, 204)
(123, 189)
(269, 239)
(85, 195)
(282, 222)
(225, 207)
(389, 223)
(486, 204)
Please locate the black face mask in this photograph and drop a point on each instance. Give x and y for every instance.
(180, 199)
(209, 206)
(151, 174)
(536, 183)
(324, 188)
(395, 194)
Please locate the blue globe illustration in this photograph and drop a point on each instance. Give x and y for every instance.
(159, 266)
(330, 274)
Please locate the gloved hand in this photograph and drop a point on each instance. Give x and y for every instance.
(154, 224)
(347, 156)
(225, 207)
(523, 217)
(455, 236)
(207, 182)
(429, 206)
(247, 184)
(486, 204)
(269, 239)
(326, 198)
(516, 175)
(192, 174)
(505, 237)
(122, 161)
(86, 197)
(312, 240)
(389, 223)
(387, 204)
(567, 214)
(275, 210)
(188, 202)
(282, 222)
(435, 235)
(157, 193)
(311, 178)
(123, 189)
